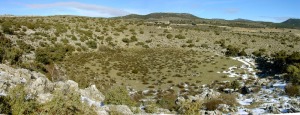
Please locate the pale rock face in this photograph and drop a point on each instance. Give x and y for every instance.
(295, 103)
(216, 112)
(92, 93)
(72, 85)
(66, 86)
(9, 77)
(207, 94)
(35, 75)
(224, 107)
(163, 111)
(273, 109)
(122, 109)
(40, 86)
(44, 98)
(262, 81)
(102, 110)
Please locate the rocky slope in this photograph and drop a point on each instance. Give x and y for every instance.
(36, 84)
(271, 98)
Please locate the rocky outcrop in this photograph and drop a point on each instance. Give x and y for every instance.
(92, 95)
(40, 87)
(206, 94)
(216, 112)
(273, 109)
(119, 109)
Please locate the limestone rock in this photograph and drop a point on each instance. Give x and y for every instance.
(120, 109)
(93, 93)
(43, 98)
(66, 86)
(35, 75)
(163, 111)
(223, 107)
(273, 109)
(207, 94)
(9, 77)
(40, 86)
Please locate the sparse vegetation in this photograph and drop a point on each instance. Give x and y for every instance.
(169, 58)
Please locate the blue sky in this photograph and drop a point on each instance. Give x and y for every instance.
(261, 10)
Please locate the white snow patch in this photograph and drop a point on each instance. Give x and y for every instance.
(248, 65)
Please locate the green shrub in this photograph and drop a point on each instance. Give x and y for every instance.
(232, 51)
(133, 39)
(292, 90)
(242, 53)
(91, 44)
(13, 55)
(179, 36)
(118, 96)
(74, 38)
(235, 85)
(108, 39)
(293, 73)
(65, 41)
(212, 104)
(190, 108)
(53, 53)
(167, 101)
(5, 107)
(26, 47)
(204, 45)
(151, 108)
(65, 103)
(126, 40)
(189, 41)
(19, 103)
(228, 99)
(7, 28)
(169, 36)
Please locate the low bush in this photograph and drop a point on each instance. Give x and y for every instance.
(53, 53)
(213, 104)
(232, 51)
(65, 103)
(292, 90)
(118, 96)
(91, 44)
(179, 36)
(17, 102)
(167, 101)
(227, 99)
(169, 36)
(190, 108)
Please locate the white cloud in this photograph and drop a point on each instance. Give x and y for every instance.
(83, 9)
(276, 19)
(232, 10)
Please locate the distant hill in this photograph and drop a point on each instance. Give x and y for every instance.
(242, 20)
(162, 16)
(186, 18)
(292, 22)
